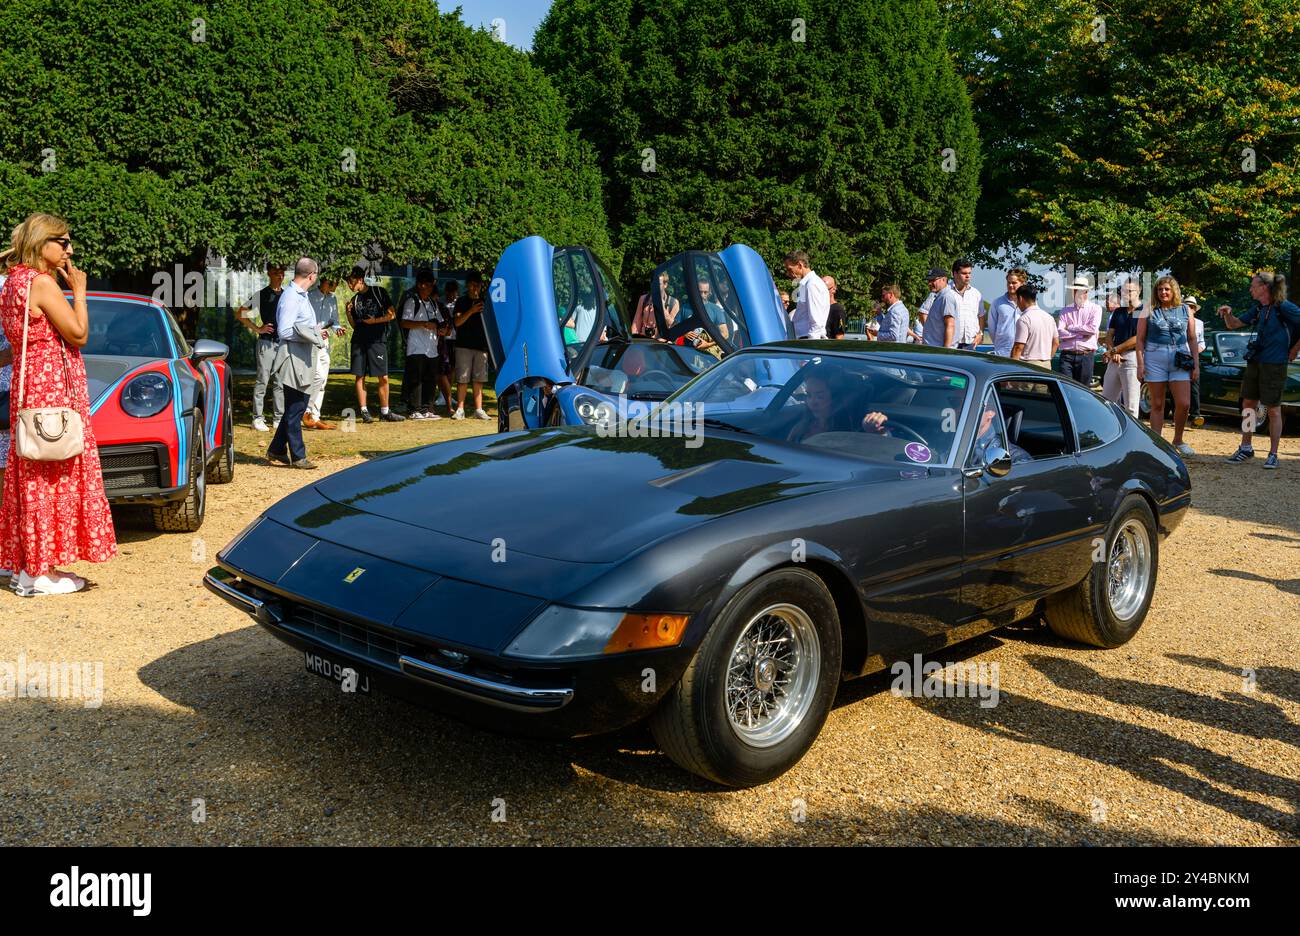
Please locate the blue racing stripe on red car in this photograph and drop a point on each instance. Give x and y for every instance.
(182, 438)
(217, 402)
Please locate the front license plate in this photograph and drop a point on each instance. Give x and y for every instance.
(349, 678)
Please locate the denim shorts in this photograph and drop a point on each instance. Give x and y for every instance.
(1159, 364)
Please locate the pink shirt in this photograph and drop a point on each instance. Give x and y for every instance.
(1035, 331)
(1077, 327)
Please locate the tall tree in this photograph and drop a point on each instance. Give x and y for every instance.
(1137, 134)
(269, 128)
(839, 126)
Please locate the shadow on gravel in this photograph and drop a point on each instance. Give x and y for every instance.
(1275, 680)
(1145, 753)
(1291, 586)
(135, 525)
(1262, 499)
(1294, 541)
(855, 690)
(1239, 713)
(300, 770)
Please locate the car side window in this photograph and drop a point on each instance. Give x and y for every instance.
(990, 431)
(1035, 416)
(182, 346)
(1094, 421)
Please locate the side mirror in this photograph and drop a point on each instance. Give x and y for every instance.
(205, 349)
(1207, 356)
(997, 461)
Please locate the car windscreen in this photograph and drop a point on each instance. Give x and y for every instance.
(644, 370)
(880, 410)
(1232, 348)
(130, 329)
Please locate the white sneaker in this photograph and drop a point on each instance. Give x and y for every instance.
(1184, 449)
(415, 415)
(275, 426)
(459, 414)
(57, 583)
(479, 414)
(260, 425)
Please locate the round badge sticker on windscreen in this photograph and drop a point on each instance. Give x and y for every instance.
(917, 452)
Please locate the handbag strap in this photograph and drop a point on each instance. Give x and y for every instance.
(22, 370)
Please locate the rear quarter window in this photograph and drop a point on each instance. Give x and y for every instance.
(1094, 421)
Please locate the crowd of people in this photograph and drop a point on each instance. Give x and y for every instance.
(1158, 347)
(443, 335)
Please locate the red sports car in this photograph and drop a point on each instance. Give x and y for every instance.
(159, 407)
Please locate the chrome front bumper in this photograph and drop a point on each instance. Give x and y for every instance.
(517, 698)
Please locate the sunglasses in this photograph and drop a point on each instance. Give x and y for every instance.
(64, 242)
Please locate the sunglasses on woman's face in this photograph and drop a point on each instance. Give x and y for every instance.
(64, 242)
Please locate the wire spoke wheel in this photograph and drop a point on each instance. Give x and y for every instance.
(1129, 569)
(772, 675)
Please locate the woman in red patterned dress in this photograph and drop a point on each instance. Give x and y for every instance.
(52, 512)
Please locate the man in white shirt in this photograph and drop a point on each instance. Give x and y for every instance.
(1003, 314)
(812, 299)
(939, 313)
(970, 306)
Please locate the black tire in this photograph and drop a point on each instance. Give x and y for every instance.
(1084, 613)
(222, 469)
(692, 725)
(186, 516)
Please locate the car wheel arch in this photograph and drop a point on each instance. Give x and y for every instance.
(1135, 487)
(824, 563)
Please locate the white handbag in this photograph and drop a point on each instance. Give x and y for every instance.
(51, 433)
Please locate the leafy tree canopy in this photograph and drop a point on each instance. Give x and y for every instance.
(784, 124)
(271, 128)
(1137, 134)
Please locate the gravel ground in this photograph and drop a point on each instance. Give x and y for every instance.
(1163, 741)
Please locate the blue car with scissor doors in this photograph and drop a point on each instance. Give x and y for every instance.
(562, 342)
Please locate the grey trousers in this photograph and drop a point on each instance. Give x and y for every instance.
(1120, 383)
(265, 355)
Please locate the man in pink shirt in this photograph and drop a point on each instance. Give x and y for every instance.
(1036, 339)
(1077, 330)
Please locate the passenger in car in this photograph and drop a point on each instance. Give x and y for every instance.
(989, 435)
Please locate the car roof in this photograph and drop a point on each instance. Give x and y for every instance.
(136, 298)
(978, 364)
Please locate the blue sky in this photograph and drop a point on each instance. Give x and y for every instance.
(522, 17)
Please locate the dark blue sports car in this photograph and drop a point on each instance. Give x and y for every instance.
(562, 341)
(799, 514)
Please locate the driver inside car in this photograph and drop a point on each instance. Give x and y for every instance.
(874, 422)
(821, 414)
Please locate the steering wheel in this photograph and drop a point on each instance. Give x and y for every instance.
(895, 428)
